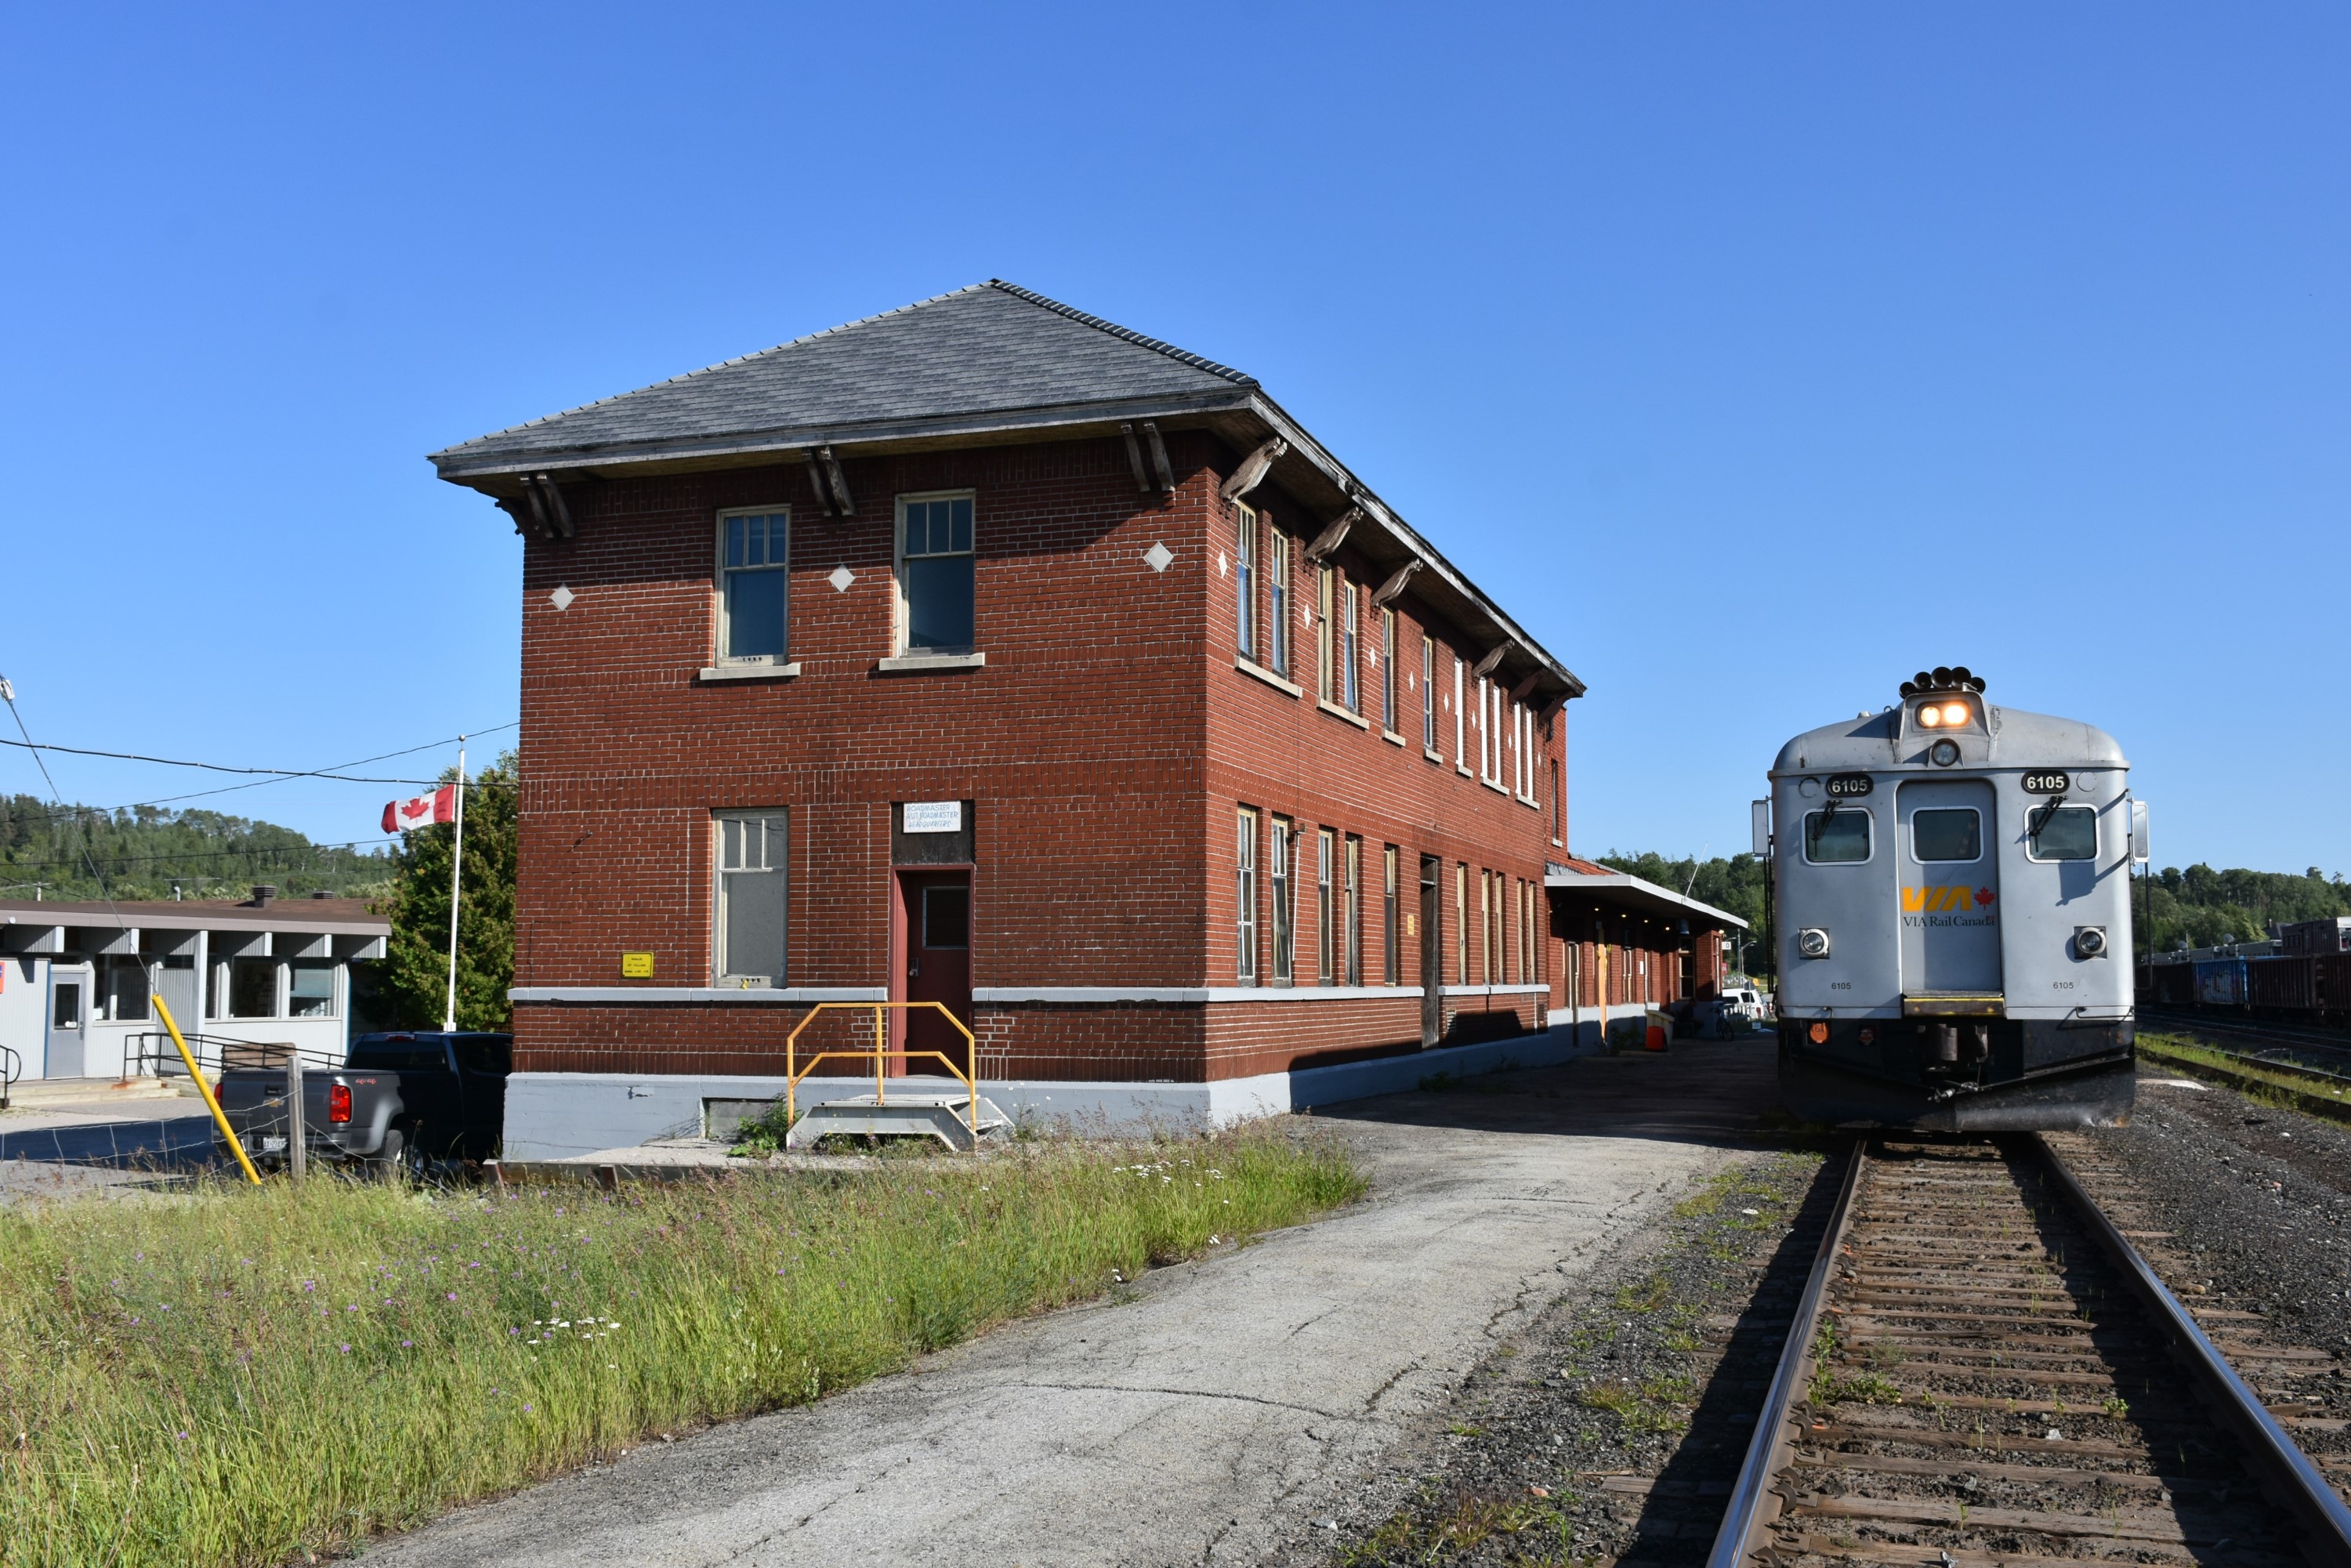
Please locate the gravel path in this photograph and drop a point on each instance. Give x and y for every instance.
(1613, 1425)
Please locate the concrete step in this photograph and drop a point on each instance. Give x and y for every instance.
(32, 1093)
(940, 1116)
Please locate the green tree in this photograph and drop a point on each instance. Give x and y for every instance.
(415, 973)
(1734, 885)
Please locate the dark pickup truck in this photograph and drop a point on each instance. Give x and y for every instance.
(401, 1100)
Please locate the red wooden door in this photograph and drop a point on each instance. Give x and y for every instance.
(938, 950)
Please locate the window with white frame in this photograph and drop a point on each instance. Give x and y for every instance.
(1277, 623)
(1351, 689)
(754, 585)
(934, 574)
(1387, 671)
(1460, 717)
(1427, 693)
(1324, 948)
(1280, 843)
(311, 989)
(748, 920)
(1325, 586)
(1245, 896)
(1245, 580)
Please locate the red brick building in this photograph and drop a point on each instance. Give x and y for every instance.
(985, 651)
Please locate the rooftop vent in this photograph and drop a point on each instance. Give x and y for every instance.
(263, 892)
(1943, 678)
(322, 893)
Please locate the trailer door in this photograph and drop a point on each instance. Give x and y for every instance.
(1949, 889)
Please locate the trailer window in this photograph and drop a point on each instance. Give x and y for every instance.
(1948, 834)
(2067, 833)
(1836, 838)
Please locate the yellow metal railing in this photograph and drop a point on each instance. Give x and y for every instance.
(880, 1055)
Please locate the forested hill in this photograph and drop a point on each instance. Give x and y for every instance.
(2195, 908)
(141, 852)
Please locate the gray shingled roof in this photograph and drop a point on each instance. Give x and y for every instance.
(989, 349)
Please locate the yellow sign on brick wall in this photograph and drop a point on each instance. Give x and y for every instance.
(636, 965)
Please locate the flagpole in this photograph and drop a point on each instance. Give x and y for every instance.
(456, 872)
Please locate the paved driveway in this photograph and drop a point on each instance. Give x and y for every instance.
(1217, 1411)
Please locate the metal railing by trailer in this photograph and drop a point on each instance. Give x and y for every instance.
(151, 1054)
(12, 1067)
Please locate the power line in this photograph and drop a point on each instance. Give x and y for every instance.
(328, 772)
(28, 744)
(303, 848)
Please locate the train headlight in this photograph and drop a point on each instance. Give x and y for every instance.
(1930, 717)
(1944, 752)
(1812, 942)
(1954, 713)
(2089, 941)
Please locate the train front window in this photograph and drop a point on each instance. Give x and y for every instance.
(1836, 838)
(2066, 833)
(1948, 833)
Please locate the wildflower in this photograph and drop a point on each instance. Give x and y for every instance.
(406, 1344)
(453, 1295)
(511, 1333)
(526, 1409)
(183, 1437)
(345, 1349)
(353, 1308)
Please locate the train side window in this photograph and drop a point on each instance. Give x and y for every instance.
(1836, 838)
(1948, 834)
(2067, 833)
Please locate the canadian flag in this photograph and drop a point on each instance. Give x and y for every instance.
(441, 806)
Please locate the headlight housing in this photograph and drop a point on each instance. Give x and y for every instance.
(2089, 941)
(1812, 942)
(1944, 752)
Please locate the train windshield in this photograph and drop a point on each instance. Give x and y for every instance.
(2067, 833)
(1949, 833)
(1833, 838)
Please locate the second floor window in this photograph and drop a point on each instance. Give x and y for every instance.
(1387, 671)
(1460, 718)
(1427, 695)
(1351, 696)
(934, 574)
(752, 578)
(1245, 576)
(1326, 586)
(1276, 624)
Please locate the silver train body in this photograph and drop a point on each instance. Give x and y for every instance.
(1953, 919)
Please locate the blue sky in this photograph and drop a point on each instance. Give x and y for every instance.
(1756, 356)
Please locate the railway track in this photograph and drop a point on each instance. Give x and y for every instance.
(2334, 1045)
(1984, 1371)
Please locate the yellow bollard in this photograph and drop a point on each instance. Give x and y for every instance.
(205, 1089)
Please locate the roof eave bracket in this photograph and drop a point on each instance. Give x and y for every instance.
(1328, 541)
(1254, 468)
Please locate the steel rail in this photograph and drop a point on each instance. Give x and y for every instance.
(1777, 1423)
(2284, 1471)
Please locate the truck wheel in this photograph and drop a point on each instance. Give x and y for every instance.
(390, 1162)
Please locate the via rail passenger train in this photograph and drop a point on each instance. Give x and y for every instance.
(1954, 922)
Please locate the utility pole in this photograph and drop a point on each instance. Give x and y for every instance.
(456, 875)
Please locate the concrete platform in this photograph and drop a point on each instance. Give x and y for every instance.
(1222, 1404)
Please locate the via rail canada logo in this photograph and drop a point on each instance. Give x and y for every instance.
(1958, 904)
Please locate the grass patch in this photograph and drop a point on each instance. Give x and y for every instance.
(245, 1375)
(2281, 1088)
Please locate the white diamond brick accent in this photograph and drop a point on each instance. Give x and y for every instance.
(840, 577)
(1158, 557)
(561, 598)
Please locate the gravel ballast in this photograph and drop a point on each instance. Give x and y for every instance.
(1615, 1425)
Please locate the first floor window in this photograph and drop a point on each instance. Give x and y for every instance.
(1486, 975)
(1245, 896)
(252, 988)
(1354, 916)
(749, 918)
(1279, 845)
(126, 988)
(310, 990)
(1461, 923)
(934, 574)
(1390, 958)
(1322, 932)
(754, 578)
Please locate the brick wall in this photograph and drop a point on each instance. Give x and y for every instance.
(1106, 745)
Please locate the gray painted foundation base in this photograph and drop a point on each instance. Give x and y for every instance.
(564, 1115)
